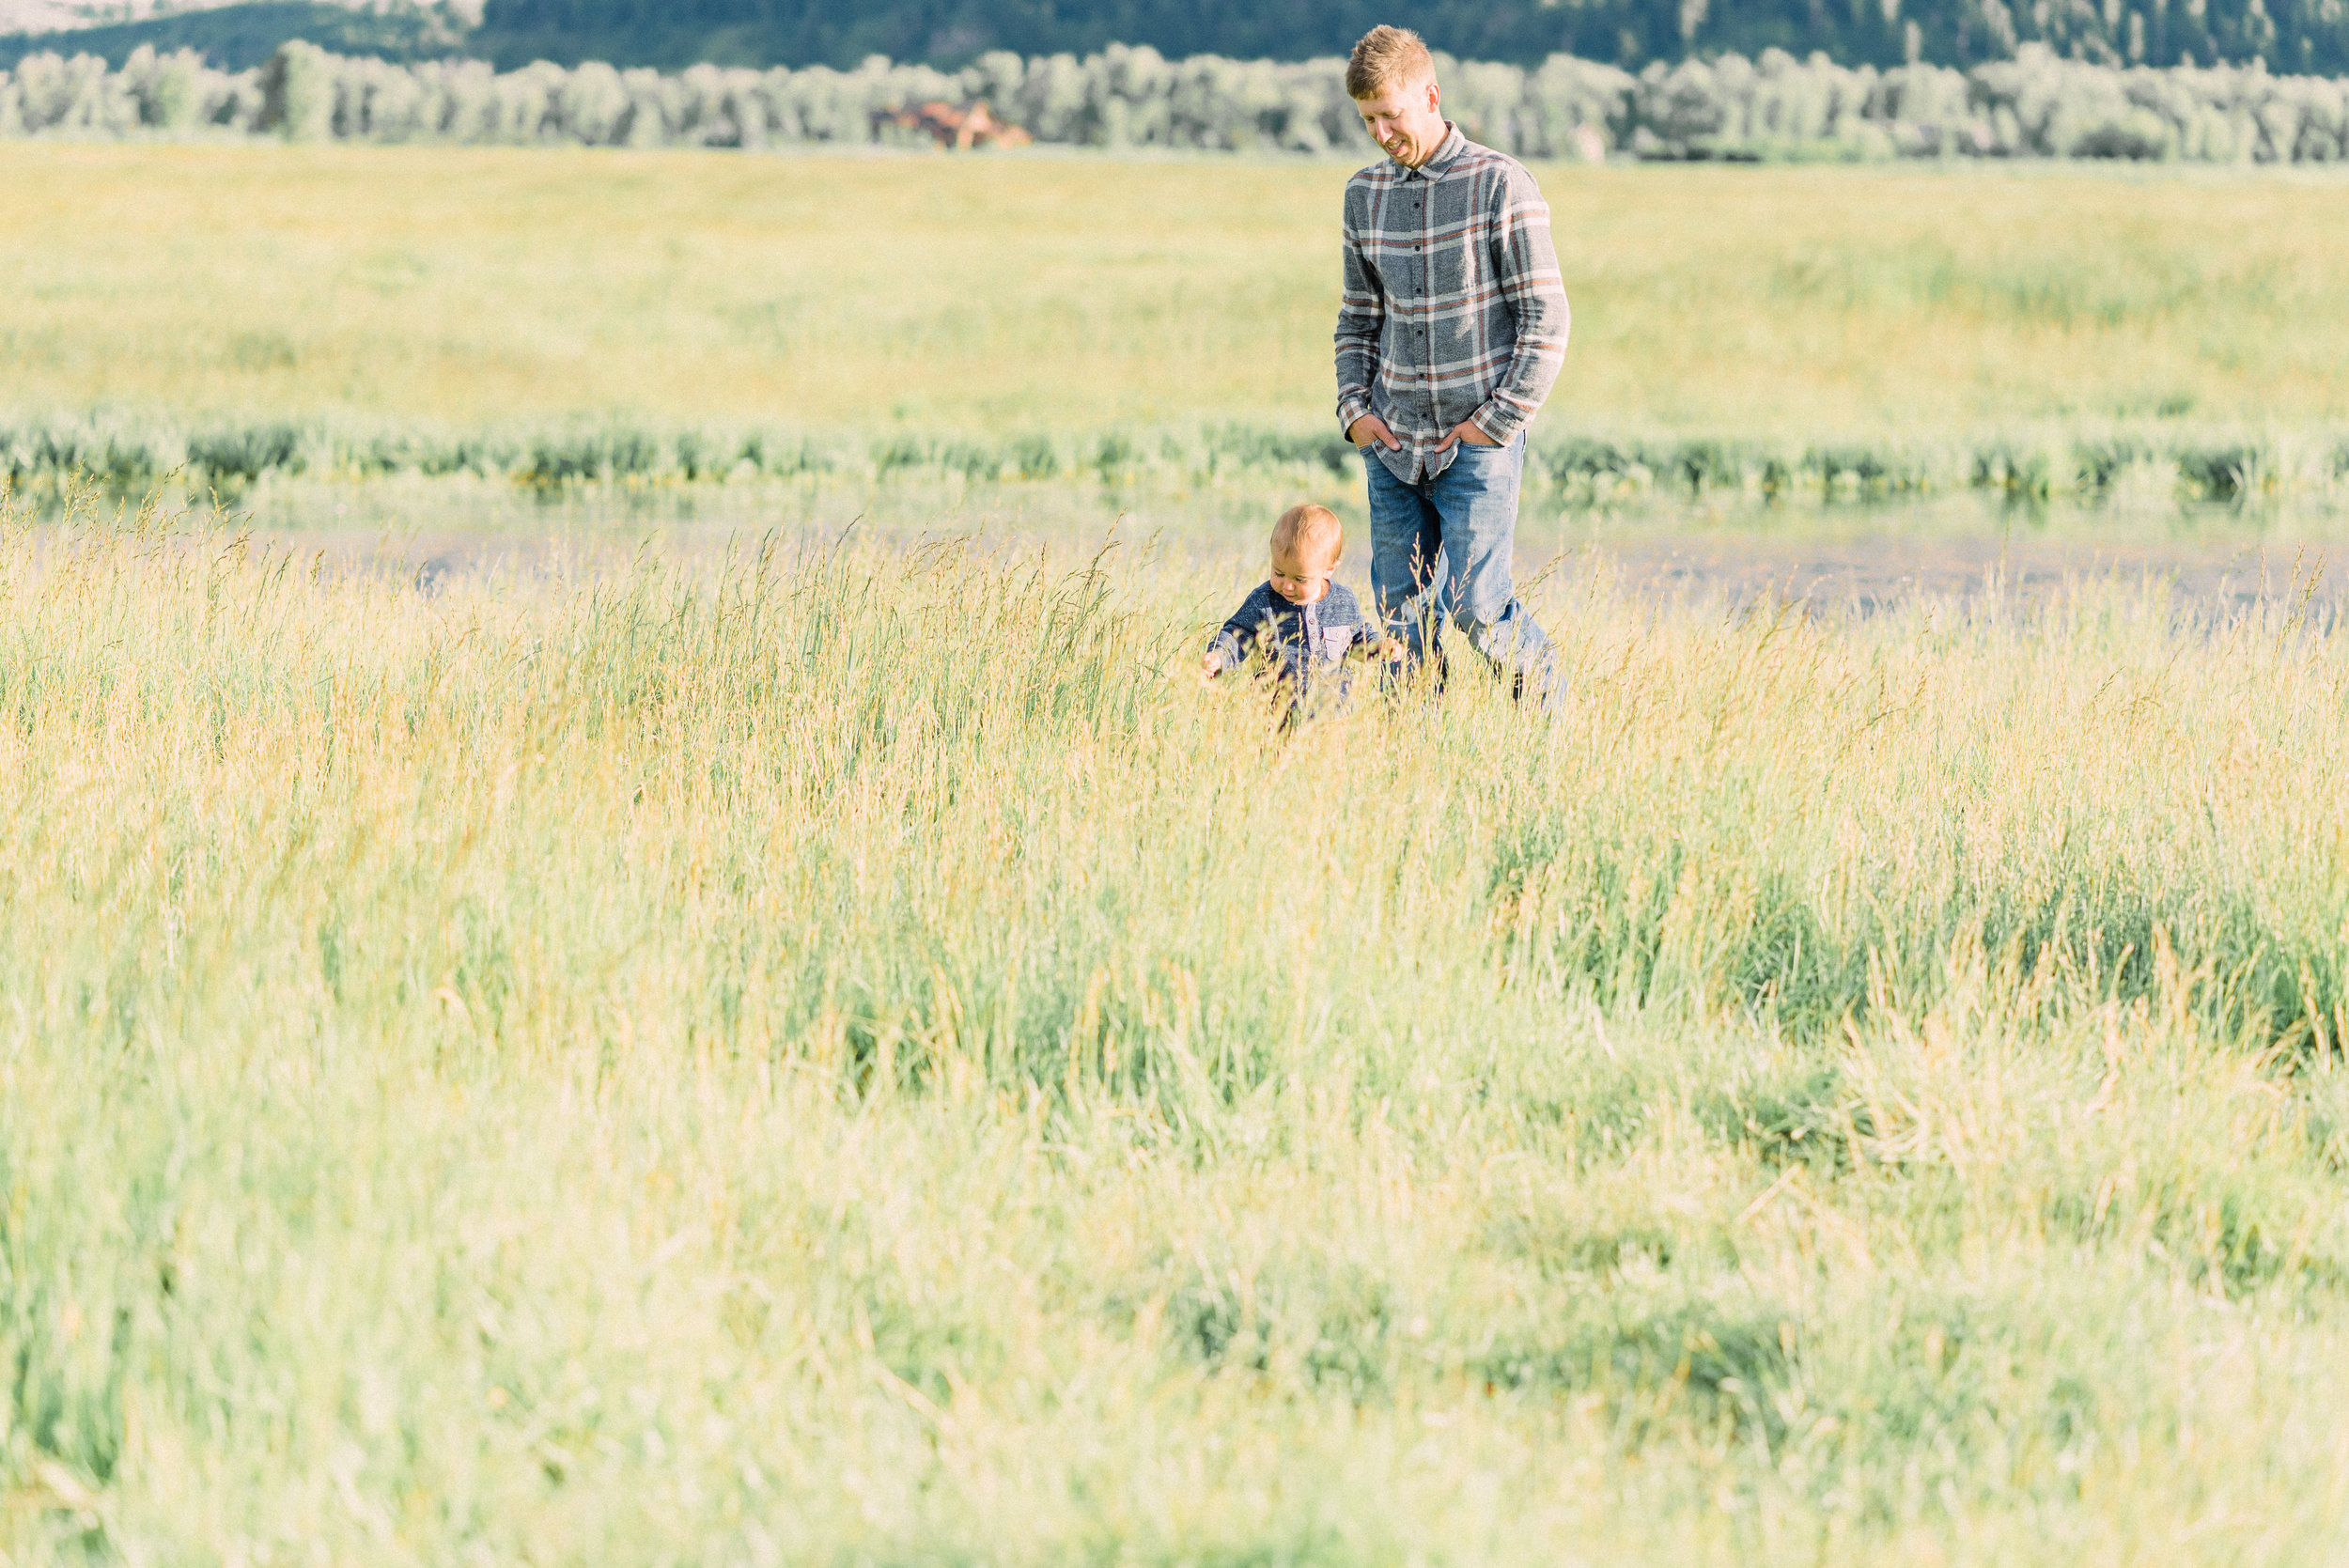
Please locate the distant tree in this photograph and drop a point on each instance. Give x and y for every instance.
(2290, 36)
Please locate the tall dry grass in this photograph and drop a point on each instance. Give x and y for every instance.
(848, 1055)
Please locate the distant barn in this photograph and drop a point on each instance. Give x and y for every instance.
(959, 130)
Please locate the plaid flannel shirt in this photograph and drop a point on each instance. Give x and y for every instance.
(1454, 307)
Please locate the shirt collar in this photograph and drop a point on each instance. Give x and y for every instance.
(1446, 150)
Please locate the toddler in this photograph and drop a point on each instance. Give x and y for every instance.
(1305, 623)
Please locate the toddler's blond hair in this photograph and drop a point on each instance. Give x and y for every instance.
(1308, 529)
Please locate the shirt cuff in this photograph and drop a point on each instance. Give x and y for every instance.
(1498, 419)
(1350, 410)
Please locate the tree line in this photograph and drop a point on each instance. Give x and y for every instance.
(2305, 36)
(2290, 35)
(1772, 108)
(2298, 36)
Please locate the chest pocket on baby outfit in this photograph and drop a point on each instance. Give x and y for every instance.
(1335, 640)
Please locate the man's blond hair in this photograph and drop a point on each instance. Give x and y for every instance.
(1308, 530)
(1387, 58)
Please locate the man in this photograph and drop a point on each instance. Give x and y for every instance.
(1450, 334)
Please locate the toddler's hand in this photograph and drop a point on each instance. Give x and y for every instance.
(1209, 667)
(1391, 649)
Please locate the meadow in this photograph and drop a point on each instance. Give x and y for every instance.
(599, 313)
(855, 1057)
(798, 1041)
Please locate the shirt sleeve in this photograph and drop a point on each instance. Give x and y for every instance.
(1229, 646)
(1525, 264)
(1362, 318)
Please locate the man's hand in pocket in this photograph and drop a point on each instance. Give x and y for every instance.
(1466, 433)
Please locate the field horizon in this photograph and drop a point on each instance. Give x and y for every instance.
(551, 317)
(1732, 301)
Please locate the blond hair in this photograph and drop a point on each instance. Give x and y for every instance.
(1308, 528)
(1386, 57)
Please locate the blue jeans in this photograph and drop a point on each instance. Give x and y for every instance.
(1440, 550)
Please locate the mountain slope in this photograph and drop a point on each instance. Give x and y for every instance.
(235, 37)
(2290, 36)
(2311, 36)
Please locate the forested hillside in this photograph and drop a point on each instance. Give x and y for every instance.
(234, 38)
(2290, 35)
(2310, 37)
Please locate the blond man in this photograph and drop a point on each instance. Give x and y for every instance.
(1450, 334)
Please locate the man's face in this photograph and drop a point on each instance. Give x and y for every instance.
(1406, 119)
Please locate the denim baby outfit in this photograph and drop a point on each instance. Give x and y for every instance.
(1307, 642)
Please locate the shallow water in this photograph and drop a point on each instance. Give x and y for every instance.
(2213, 572)
(1857, 558)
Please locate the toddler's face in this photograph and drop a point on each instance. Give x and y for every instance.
(1302, 576)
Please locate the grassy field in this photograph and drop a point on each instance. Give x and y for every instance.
(857, 1058)
(1009, 295)
(844, 1053)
